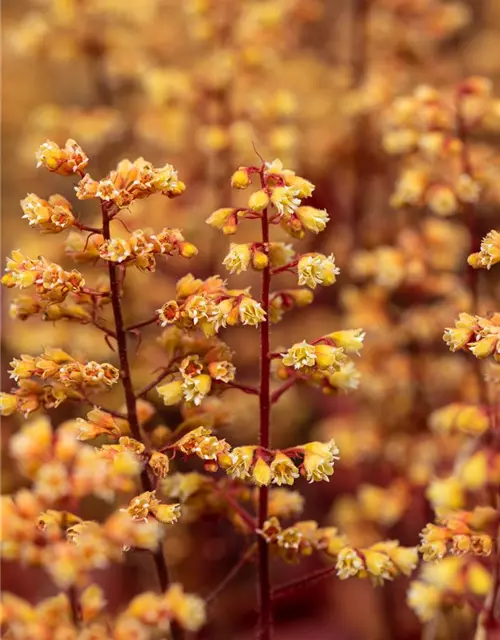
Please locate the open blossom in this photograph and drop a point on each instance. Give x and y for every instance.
(64, 161)
(52, 216)
(238, 258)
(319, 459)
(286, 200)
(314, 220)
(251, 312)
(315, 268)
(300, 355)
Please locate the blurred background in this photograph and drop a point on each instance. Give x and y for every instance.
(199, 84)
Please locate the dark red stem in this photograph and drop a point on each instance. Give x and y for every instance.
(264, 630)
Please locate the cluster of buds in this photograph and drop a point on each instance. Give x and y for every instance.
(459, 418)
(209, 306)
(450, 581)
(326, 361)
(147, 505)
(459, 533)
(131, 181)
(141, 248)
(302, 539)
(258, 255)
(489, 253)
(430, 125)
(426, 120)
(59, 465)
(51, 216)
(195, 377)
(66, 546)
(72, 308)
(281, 189)
(65, 161)
(314, 460)
(150, 613)
(59, 366)
(143, 617)
(476, 334)
(51, 281)
(381, 561)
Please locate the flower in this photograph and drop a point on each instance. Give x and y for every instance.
(172, 392)
(283, 470)
(250, 311)
(261, 474)
(312, 219)
(238, 258)
(315, 268)
(299, 356)
(286, 200)
(318, 460)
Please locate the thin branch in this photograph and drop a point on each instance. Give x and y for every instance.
(243, 513)
(232, 573)
(246, 389)
(164, 372)
(143, 323)
(304, 581)
(283, 389)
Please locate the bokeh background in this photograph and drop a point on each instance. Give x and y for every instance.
(199, 84)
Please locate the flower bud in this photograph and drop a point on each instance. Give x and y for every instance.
(259, 260)
(219, 217)
(171, 392)
(261, 473)
(187, 250)
(258, 201)
(240, 179)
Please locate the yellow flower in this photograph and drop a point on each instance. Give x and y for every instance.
(223, 370)
(241, 461)
(286, 200)
(473, 473)
(261, 474)
(172, 392)
(258, 201)
(328, 357)
(483, 347)
(351, 340)
(238, 258)
(159, 463)
(166, 513)
(300, 355)
(315, 268)
(446, 493)
(196, 388)
(219, 218)
(349, 563)
(319, 458)
(457, 338)
(283, 470)
(441, 200)
(424, 599)
(312, 219)
(250, 312)
(240, 179)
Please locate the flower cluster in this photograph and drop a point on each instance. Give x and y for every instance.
(51, 216)
(210, 306)
(447, 582)
(143, 617)
(476, 334)
(141, 248)
(131, 181)
(458, 533)
(459, 418)
(50, 280)
(489, 253)
(281, 189)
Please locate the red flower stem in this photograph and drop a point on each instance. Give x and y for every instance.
(139, 325)
(299, 583)
(243, 387)
(286, 267)
(232, 573)
(264, 629)
(130, 400)
(243, 513)
(283, 389)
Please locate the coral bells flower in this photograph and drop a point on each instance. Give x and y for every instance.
(223, 371)
(319, 459)
(286, 200)
(250, 312)
(241, 462)
(238, 258)
(315, 268)
(314, 220)
(52, 216)
(64, 161)
(240, 179)
(146, 504)
(350, 340)
(300, 355)
(489, 254)
(283, 470)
